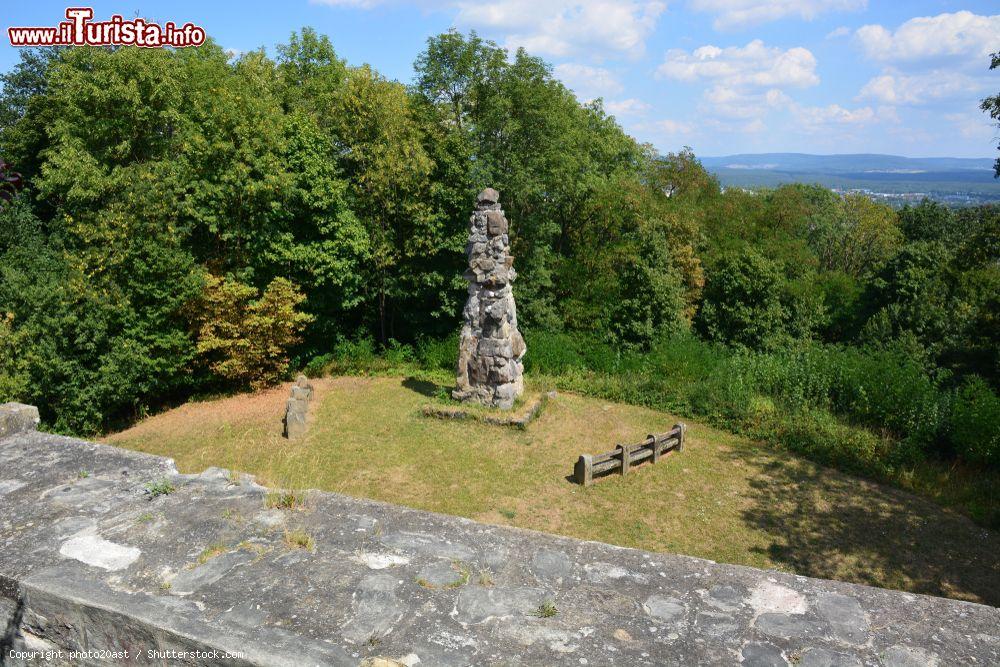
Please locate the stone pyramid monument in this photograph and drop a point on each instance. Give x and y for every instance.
(490, 370)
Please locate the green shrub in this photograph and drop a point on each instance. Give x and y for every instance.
(975, 422)
(876, 388)
(437, 353)
(399, 353)
(318, 365)
(551, 353)
(15, 378)
(244, 338)
(866, 410)
(743, 304)
(354, 355)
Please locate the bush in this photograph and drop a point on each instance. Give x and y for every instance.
(866, 410)
(354, 355)
(244, 339)
(438, 353)
(552, 353)
(15, 378)
(884, 389)
(317, 366)
(975, 422)
(399, 353)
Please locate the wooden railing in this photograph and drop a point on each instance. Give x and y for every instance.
(625, 457)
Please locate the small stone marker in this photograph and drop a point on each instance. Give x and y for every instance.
(490, 370)
(297, 406)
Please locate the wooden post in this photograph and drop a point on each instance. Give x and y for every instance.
(584, 471)
(625, 452)
(682, 428)
(656, 447)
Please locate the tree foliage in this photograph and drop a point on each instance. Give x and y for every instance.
(991, 105)
(196, 221)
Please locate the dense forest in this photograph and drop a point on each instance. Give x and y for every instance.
(193, 222)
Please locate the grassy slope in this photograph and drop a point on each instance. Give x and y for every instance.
(722, 498)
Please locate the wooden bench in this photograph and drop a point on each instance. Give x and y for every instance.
(624, 457)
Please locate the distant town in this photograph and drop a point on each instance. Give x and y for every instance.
(891, 179)
(900, 199)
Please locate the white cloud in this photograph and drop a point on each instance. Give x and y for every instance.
(628, 107)
(743, 110)
(842, 31)
(743, 13)
(888, 114)
(745, 82)
(566, 27)
(755, 65)
(588, 82)
(668, 133)
(667, 126)
(897, 88)
(962, 34)
(560, 28)
(972, 126)
(742, 104)
(833, 114)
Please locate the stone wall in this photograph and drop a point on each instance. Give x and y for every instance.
(490, 368)
(105, 549)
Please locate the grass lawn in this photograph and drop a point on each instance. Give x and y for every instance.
(722, 498)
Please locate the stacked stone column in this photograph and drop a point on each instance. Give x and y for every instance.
(490, 369)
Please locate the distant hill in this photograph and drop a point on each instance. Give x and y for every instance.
(896, 178)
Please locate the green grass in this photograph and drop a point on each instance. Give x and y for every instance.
(286, 500)
(299, 539)
(160, 487)
(725, 497)
(546, 610)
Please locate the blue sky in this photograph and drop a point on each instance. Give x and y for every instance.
(721, 76)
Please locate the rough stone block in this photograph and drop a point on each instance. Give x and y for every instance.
(17, 418)
(302, 382)
(517, 346)
(502, 373)
(496, 223)
(295, 417)
(483, 264)
(494, 347)
(488, 196)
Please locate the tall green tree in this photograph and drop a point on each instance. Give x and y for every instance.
(743, 302)
(389, 172)
(854, 235)
(991, 105)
